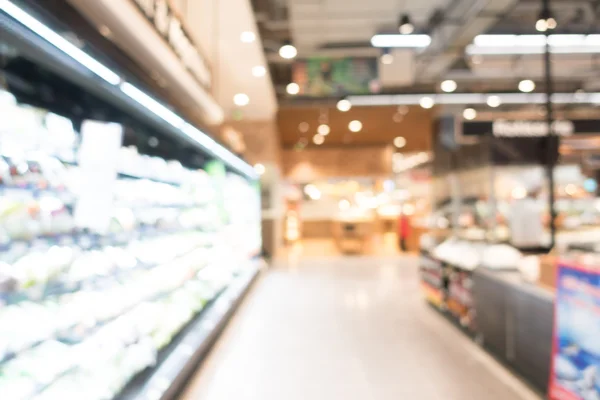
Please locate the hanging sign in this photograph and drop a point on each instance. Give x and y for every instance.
(170, 27)
(529, 129)
(576, 341)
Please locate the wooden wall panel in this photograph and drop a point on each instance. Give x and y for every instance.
(379, 126)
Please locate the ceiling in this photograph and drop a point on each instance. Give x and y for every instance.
(343, 28)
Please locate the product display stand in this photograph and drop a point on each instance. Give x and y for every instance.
(511, 318)
(514, 321)
(169, 377)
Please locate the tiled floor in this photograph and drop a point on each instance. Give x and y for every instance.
(352, 328)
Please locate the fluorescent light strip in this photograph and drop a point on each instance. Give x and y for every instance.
(533, 44)
(219, 151)
(152, 105)
(406, 41)
(474, 98)
(200, 137)
(59, 42)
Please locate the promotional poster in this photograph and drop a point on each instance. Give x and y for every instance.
(576, 352)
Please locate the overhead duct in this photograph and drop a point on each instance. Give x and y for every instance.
(464, 19)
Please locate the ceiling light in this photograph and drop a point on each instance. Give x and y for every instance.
(551, 23)
(303, 127)
(387, 59)
(473, 98)
(259, 168)
(469, 114)
(448, 86)
(405, 27)
(405, 41)
(494, 101)
(534, 44)
(248, 37)
(344, 105)
(152, 105)
(344, 204)
(527, 86)
(427, 102)
(259, 71)
(60, 42)
(241, 99)
(288, 51)
(541, 25)
(318, 139)
(312, 192)
(292, 88)
(149, 103)
(399, 142)
(323, 130)
(355, 126)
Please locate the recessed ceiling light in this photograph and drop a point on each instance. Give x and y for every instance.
(318, 139)
(292, 88)
(494, 101)
(248, 37)
(288, 51)
(527, 86)
(399, 142)
(259, 71)
(323, 129)
(241, 99)
(427, 102)
(355, 126)
(469, 114)
(344, 105)
(303, 127)
(387, 59)
(448, 86)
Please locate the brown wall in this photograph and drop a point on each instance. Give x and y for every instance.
(311, 164)
(379, 126)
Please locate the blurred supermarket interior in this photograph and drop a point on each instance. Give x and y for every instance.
(299, 199)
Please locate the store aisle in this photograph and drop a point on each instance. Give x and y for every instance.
(352, 328)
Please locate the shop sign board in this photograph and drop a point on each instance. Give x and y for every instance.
(323, 76)
(502, 128)
(529, 129)
(170, 27)
(575, 373)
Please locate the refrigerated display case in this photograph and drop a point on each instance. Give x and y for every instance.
(118, 265)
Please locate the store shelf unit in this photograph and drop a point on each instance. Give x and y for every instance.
(127, 235)
(448, 288)
(179, 361)
(511, 318)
